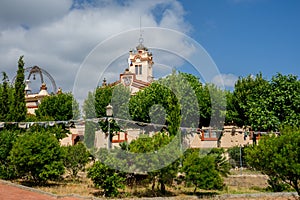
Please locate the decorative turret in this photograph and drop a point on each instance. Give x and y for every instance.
(140, 62)
(43, 91)
(104, 84)
(59, 91)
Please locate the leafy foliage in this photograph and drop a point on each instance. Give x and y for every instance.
(106, 178)
(75, 158)
(102, 99)
(58, 107)
(120, 101)
(7, 139)
(247, 91)
(89, 133)
(221, 163)
(19, 109)
(285, 100)
(265, 105)
(156, 94)
(162, 163)
(217, 106)
(37, 155)
(89, 113)
(278, 157)
(89, 106)
(201, 171)
(4, 98)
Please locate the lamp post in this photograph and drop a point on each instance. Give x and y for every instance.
(109, 113)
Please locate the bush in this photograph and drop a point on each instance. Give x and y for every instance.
(278, 157)
(37, 156)
(106, 178)
(7, 139)
(276, 185)
(201, 172)
(75, 158)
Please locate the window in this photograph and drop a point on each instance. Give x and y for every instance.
(138, 69)
(213, 134)
(206, 134)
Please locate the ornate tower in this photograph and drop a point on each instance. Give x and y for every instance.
(140, 62)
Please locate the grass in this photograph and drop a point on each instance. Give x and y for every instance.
(234, 185)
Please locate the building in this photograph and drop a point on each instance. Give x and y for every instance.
(139, 73)
(34, 100)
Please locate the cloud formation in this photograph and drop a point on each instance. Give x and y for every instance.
(57, 35)
(63, 36)
(227, 80)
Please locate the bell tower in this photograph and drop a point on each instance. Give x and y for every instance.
(140, 62)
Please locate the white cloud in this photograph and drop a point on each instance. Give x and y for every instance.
(55, 36)
(227, 80)
(31, 12)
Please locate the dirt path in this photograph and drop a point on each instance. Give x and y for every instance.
(10, 191)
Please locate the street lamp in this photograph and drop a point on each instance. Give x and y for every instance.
(109, 113)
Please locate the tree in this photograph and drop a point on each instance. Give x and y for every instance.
(249, 93)
(179, 100)
(75, 158)
(4, 99)
(285, 100)
(59, 107)
(156, 94)
(89, 111)
(278, 157)
(102, 99)
(37, 156)
(232, 115)
(106, 178)
(217, 105)
(221, 163)
(118, 96)
(265, 105)
(7, 139)
(120, 101)
(158, 156)
(19, 110)
(201, 171)
(151, 159)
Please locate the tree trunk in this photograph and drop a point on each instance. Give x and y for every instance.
(162, 186)
(153, 184)
(297, 188)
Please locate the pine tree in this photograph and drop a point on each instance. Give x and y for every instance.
(19, 105)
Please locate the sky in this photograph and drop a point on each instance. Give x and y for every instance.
(80, 42)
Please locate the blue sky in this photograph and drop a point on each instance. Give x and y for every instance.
(242, 37)
(248, 36)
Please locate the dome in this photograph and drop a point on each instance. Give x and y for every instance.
(141, 47)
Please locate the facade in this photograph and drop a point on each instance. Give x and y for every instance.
(33, 100)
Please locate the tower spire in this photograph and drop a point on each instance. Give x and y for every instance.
(141, 39)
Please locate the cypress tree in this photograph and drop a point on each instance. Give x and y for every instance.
(4, 103)
(19, 105)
